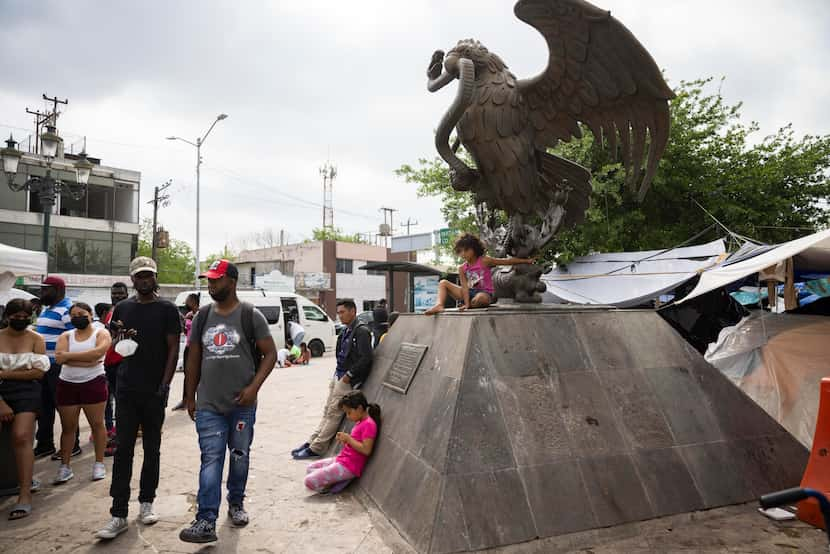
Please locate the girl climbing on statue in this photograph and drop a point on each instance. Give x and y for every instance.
(333, 474)
(476, 289)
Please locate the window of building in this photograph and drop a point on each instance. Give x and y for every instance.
(70, 247)
(376, 272)
(271, 313)
(71, 206)
(126, 203)
(369, 305)
(10, 200)
(345, 266)
(99, 201)
(312, 313)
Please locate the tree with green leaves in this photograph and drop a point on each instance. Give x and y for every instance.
(336, 234)
(771, 188)
(176, 262)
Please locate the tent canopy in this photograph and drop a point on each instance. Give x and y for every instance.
(811, 253)
(627, 279)
(402, 267)
(15, 262)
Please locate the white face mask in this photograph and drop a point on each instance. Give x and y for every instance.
(126, 347)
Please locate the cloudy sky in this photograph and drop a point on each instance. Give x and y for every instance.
(308, 81)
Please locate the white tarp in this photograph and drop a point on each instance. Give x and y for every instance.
(15, 262)
(626, 279)
(813, 251)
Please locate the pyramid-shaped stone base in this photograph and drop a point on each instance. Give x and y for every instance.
(524, 424)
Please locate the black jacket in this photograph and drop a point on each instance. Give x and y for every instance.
(359, 355)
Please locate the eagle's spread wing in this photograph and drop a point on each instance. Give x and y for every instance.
(598, 74)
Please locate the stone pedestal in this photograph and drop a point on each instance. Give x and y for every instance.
(523, 423)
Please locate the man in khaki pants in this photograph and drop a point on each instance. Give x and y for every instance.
(354, 362)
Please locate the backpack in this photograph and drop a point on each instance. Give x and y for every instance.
(247, 328)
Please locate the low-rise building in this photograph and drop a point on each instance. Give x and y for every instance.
(91, 239)
(323, 271)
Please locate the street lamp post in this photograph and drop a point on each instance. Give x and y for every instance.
(47, 187)
(198, 145)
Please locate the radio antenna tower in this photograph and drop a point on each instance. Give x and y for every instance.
(328, 172)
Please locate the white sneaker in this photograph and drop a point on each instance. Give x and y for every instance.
(99, 471)
(147, 516)
(115, 527)
(64, 475)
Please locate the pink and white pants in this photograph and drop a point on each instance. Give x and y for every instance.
(322, 474)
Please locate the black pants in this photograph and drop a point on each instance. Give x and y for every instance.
(112, 384)
(46, 418)
(131, 410)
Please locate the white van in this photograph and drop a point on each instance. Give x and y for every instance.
(319, 329)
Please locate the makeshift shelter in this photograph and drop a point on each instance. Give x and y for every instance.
(779, 361)
(810, 253)
(411, 268)
(16, 262)
(629, 279)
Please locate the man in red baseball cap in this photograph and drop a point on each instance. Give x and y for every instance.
(230, 355)
(52, 322)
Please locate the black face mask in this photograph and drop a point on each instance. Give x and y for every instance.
(220, 295)
(18, 324)
(80, 322)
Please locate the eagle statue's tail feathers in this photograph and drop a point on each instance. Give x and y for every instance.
(567, 183)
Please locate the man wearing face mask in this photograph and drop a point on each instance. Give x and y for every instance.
(112, 360)
(231, 353)
(52, 322)
(143, 387)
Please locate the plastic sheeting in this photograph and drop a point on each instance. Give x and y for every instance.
(812, 253)
(627, 279)
(17, 261)
(779, 361)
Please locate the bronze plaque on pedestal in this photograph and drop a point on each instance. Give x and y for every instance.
(403, 369)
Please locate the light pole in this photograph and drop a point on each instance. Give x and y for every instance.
(198, 145)
(46, 187)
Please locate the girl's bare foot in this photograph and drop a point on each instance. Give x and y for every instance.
(438, 308)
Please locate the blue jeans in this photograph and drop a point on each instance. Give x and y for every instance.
(233, 431)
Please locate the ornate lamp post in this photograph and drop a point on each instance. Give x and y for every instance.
(47, 187)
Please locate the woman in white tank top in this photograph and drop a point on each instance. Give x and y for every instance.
(82, 385)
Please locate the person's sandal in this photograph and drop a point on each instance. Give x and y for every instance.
(19, 511)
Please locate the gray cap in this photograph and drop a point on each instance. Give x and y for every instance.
(143, 263)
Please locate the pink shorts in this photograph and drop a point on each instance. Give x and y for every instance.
(78, 394)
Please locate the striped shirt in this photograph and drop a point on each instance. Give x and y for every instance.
(53, 321)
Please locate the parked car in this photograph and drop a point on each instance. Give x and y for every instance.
(319, 329)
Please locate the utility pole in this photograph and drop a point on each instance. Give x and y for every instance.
(164, 200)
(387, 229)
(328, 172)
(409, 224)
(44, 119)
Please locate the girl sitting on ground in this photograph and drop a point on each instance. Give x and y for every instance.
(82, 385)
(476, 289)
(23, 364)
(334, 473)
(305, 354)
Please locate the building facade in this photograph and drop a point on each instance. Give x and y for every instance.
(91, 239)
(323, 271)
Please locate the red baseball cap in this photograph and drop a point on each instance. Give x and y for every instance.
(219, 269)
(53, 281)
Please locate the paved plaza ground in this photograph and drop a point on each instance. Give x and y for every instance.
(286, 518)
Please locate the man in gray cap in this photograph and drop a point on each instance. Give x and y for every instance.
(143, 387)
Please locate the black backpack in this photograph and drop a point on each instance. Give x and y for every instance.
(247, 328)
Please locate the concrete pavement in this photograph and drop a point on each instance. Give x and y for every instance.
(284, 516)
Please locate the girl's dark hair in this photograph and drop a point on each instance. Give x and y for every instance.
(468, 240)
(101, 309)
(82, 305)
(356, 399)
(194, 297)
(17, 305)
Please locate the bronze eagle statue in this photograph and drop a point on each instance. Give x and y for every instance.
(598, 75)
